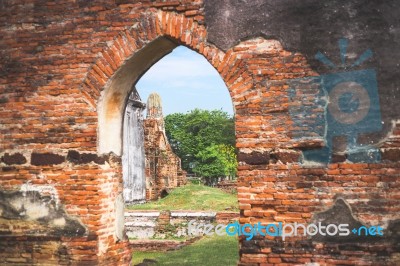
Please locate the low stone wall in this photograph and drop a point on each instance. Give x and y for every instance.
(227, 217)
(141, 224)
(229, 186)
(160, 245)
(164, 224)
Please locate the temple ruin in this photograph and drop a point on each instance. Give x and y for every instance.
(66, 72)
(150, 167)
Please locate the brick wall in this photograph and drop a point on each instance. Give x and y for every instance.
(63, 86)
(49, 120)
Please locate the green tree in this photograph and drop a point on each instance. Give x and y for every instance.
(201, 136)
(216, 161)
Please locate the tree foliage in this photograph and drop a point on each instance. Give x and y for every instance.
(204, 140)
(216, 161)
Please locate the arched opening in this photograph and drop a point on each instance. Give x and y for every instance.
(188, 83)
(113, 76)
(120, 108)
(156, 156)
(114, 97)
(160, 162)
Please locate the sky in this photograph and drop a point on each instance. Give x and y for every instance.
(185, 80)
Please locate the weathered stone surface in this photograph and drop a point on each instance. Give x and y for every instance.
(30, 213)
(133, 158)
(16, 158)
(156, 224)
(286, 156)
(84, 158)
(393, 231)
(46, 158)
(119, 217)
(309, 26)
(391, 155)
(254, 158)
(341, 213)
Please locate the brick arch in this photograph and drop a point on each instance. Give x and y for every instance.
(132, 53)
(253, 70)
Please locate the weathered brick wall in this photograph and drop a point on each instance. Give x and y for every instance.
(49, 127)
(63, 86)
(273, 187)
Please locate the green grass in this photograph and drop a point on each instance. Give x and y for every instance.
(193, 197)
(214, 250)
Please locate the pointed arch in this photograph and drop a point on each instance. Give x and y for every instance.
(131, 54)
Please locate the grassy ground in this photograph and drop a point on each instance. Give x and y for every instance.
(214, 250)
(193, 197)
